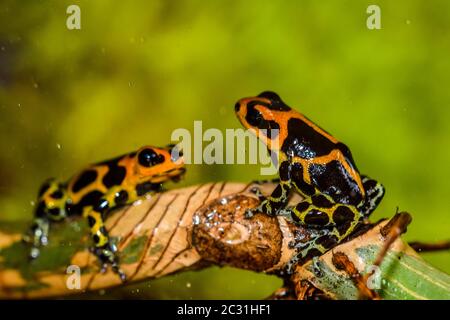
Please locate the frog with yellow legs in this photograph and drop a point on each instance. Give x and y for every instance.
(100, 188)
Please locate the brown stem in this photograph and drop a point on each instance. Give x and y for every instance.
(178, 230)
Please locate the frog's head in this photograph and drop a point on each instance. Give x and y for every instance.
(159, 164)
(263, 113)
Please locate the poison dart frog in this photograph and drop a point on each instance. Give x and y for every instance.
(336, 198)
(100, 188)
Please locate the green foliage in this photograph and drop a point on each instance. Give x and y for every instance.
(135, 72)
(401, 277)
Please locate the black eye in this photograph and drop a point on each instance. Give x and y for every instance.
(149, 157)
(254, 117)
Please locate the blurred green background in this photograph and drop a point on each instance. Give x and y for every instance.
(138, 70)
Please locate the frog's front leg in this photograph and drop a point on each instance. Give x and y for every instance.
(104, 249)
(280, 195)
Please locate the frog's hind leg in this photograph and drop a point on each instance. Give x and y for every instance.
(332, 222)
(104, 249)
(374, 194)
(50, 207)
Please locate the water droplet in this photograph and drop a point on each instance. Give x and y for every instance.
(34, 253)
(58, 146)
(188, 284)
(196, 220)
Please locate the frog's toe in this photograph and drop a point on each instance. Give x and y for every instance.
(107, 255)
(262, 208)
(249, 213)
(257, 192)
(120, 273)
(34, 253)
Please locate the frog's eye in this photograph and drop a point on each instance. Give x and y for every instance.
(255, 118)
(148, 158)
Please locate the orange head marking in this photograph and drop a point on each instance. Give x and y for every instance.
(159, 164)
(263, 113)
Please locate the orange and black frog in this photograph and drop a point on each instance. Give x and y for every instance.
(314, 163)
(100, 188)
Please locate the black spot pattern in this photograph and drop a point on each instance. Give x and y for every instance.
(40, 211)
(302, 206)
(91, 221)
(321, 201)
(54, 212)
(121, 197)
(285, 171)
(342, 214)
(342, 228)
(101, 206)
(297, 179)
(278, 192)
(114, 176)
(304, 142)
(90, 199)
(333, 180)
(253, 116)
(85, 179)
(256, 119)
(327, 242)
(145, 187)
(313, 252)
(295, 217)
(58, 194)
(316, 218)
